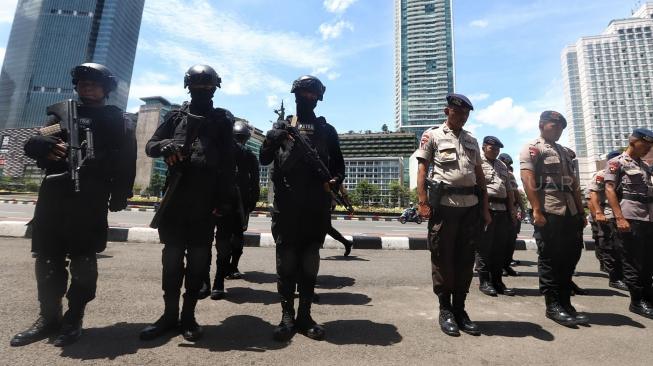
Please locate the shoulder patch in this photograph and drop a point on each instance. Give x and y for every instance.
(534, 152)
(614, 166)
(600, 179)
(424, 140)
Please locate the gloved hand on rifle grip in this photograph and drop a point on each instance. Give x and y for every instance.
(171, 152)
(117, 204)
(276, 136)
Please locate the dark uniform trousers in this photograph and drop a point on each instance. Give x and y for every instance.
(297, 265)
(453, 234)
(229, 241)
(559, 247)
(597, 247)
(512, 244)
(185, 236)
(638, 256)
(609, 245)
(494, 244)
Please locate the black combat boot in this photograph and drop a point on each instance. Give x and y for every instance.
(565, 301)
(556, 312)
(485, 285)
(305, 323)
(348, 245)
(508, 271)
(235, 272)
(619, 285)
(465, 324)
(218, 292)
(446, 318)
(167, 322)
(639, 304)
(47, 324)
(190, 330)
(205, 291)
(71, 329)
(286, 328)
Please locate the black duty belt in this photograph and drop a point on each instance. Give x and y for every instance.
(459, 190)
(559, 187)
(497, 200)
(637, 197)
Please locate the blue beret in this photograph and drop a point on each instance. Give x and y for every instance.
(491, 140)
(553, 116)
(612, 154)
(643, 134)
(459, 100)
(505, 158)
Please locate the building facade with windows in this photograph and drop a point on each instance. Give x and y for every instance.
(607, 81)
(13, 162)
(49, 37)
(424, 63)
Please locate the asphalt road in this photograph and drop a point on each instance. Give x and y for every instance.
(377, 307)
(24, 212)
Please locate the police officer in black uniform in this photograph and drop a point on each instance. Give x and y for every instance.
(206, 168)
(71, 227)
(229, 238)
(302, 202)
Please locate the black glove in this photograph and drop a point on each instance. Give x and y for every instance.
(117, 204)
(276, 136)
(38, 147)
(169, 147)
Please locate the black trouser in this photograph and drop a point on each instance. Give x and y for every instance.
(297, 266)
(512, 244)
(453, 233)
(337, 236)
(52, 282)
(559, 247)
(174, 272)
(609, 246)
(638, 256)
(493, 246)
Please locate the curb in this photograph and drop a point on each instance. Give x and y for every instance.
(19, 229)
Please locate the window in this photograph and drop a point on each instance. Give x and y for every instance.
(429, 8)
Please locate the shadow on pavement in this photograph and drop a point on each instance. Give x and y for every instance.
(527, 292)
(238, 333)
(591, 274)
(330, 282)
(603, 292)
(343, 298)
(112, 341)
(242, 295)
(514, 329)
(523, 263)
(260, 277)
(103, 256)
(351, 258)
(364, 332)
(613, 320)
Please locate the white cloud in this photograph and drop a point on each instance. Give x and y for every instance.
(479, 97)
(504, 114)
(241, 54)
(7, 10)
(334, 30)
(273, 101)
(337, 6)
(333, 75)
(480, 23)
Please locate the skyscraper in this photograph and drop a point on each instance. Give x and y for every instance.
(49, 37)
(607, 81)
(424, 62)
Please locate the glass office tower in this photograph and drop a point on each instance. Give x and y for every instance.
(49, 37)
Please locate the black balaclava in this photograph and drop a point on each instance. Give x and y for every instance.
(201, 99)
(305, 107)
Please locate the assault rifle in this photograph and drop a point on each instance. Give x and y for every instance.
(193, 123)
(69, 124)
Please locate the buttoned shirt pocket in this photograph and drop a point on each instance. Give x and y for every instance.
(471, 151)
(446, 152)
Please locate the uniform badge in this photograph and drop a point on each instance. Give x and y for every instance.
(613, 166)
(533, 152)
(600, 179)
(424, 141)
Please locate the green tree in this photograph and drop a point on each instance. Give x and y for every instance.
(384, 128)
(156, 184)
(399, 195)
(367, 193)
(263, 196)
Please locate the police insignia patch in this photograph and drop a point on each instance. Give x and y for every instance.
(533, 151)
(613, 167)
(424, 140)
(600, 179)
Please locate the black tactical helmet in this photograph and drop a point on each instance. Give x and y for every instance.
(310, 83)
(241, 130)
(201, 74)
(95, 72)
(505, 158)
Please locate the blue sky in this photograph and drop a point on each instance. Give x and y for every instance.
(507, 55)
